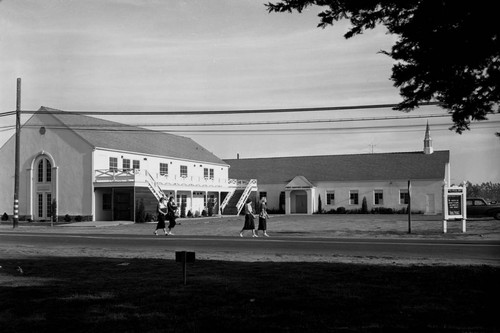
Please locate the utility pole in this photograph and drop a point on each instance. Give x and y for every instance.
(15, 220)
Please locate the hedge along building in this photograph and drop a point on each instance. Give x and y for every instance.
(295, 185)
(102, 170)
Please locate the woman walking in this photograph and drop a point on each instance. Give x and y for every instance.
(249, 219)
(172, 208)
(263, 217)
(162, 212)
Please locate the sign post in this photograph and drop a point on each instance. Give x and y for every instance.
(455, 205)
(184, 257)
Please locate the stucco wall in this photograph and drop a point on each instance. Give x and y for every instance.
(72, 164)
(7, 156)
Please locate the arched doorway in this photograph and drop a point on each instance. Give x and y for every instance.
(43, 181)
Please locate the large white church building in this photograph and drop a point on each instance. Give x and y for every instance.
(80, 166)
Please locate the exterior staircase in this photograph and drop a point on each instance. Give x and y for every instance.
(238, 198)
(154, 187)
(230, 208)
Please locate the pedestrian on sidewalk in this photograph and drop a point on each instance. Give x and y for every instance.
(249, 219)
(172, 214)
(263, 216)
(162, 212)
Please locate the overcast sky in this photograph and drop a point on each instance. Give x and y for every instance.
(152, 55)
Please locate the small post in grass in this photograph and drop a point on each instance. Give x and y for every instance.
(184, 257)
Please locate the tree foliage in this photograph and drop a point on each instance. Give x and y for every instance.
(489, 191)
(447, 51)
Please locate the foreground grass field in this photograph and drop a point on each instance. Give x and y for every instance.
(82, 294)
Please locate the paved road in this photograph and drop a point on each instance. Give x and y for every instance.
(411, 249)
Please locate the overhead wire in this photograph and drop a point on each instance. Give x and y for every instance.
(366, 129)
(143, 127)
(209, 112)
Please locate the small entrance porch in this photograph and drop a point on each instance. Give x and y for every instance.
(299, 196)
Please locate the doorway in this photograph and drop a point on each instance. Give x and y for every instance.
(43, 188)
(123, 207)
(430, 205)
(299, 202)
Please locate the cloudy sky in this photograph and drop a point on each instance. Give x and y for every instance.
(152, 55)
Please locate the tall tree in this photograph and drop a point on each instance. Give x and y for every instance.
(447, 51)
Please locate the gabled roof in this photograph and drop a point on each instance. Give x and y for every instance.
(299, 182)
(100, 133)
(361, 167)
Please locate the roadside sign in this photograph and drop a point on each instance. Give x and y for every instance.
(454, 202)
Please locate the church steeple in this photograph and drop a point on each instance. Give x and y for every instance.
(428, 141)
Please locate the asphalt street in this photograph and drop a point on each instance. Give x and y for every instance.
(413, 249)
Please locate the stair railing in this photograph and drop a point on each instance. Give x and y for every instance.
(153, 186)
(251, 184)
(225, 201)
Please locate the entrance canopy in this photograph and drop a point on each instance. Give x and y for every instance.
(299, 182)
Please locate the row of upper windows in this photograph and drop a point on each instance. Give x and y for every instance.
(113, 164)
(378, 197)
(136, 164)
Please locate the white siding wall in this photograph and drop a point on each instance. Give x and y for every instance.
(391, 189)
(152, 165)
(273, 194)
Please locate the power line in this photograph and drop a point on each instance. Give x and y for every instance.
(259, 130)
(8, 113)
(275, 122)
(208, 112)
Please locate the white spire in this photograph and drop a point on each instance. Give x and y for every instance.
(428, 141)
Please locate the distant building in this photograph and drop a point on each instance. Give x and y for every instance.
(94, 169)
(295, 185)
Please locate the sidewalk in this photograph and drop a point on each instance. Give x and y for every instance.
(317, 226)
(96, 224)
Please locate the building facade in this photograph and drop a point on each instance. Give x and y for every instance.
(94, 169)
(296, 185)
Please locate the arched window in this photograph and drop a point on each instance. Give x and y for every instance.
(40, 171)
(48, 171)
(44, 169)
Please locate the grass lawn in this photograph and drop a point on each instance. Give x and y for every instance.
(61, 290)
(83, 294)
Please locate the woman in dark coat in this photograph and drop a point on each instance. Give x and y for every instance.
(263, 217)
(249, 219)
(162, 212)
(172, 208)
